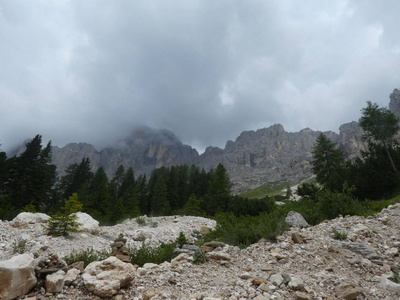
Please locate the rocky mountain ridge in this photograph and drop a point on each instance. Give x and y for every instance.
(253, 159)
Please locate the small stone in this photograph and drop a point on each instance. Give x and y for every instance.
(149, 295)
(218, 255)
(266, 268)
(347, 291)
(393, 251)
(172, 280)
(386, 267)
(245, 275)
(264, 287)
(276, 279)
(206, 248)
(257, 281)
(297, 239)
(296, 284)
(302, 296)
(204, 230)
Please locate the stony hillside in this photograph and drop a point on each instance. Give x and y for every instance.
(306, 263)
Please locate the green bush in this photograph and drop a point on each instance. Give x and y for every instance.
(199, 257)
(373, 207)
(20, 246)
(243, 231)
(396, 276)
(330, 205)
(181, 239)
(147, 254)
(338, 235)
(87, 256)
(141, 221)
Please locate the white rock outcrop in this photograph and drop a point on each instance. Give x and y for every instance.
(17, 276)
(105, 278)
(294, 219)
(87, 223)
(23, 219)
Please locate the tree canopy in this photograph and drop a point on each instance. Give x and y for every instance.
(380, 126)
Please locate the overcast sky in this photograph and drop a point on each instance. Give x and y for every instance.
(90, 71)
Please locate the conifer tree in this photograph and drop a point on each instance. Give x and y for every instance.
(327, 163)
(64, 222)
(380, 126)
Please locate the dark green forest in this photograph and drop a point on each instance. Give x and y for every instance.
(30, 182)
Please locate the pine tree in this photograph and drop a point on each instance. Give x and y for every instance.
(31, 176)
(328, 163)
(192, 207)
(64, 222)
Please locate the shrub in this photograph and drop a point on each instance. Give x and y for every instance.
(337, 235)
(181, 239)
(199, 257)
(245, 230)
(147, 254)
(396, 276)
(20, 246)
(61, 224)
(141, 221)
(330, 205)
(29, 208)
(87, 256)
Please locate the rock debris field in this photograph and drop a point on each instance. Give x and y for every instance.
(304, 263)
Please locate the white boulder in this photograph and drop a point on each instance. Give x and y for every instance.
(389, 285)
(87, 223)
(55, 282)
(296, 220)
(23, 219)
(105, 278)
(17, 276)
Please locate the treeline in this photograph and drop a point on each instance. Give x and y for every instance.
(29, 182)
(375, 173)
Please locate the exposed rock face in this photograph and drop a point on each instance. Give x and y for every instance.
(17, 276)
(144, 151)
(23, 219)
(105, 278)
(394, 104)
(253, 159)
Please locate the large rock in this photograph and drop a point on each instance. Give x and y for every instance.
(87, 223)
(23, 219)
(294, 219)
(17, 276)
(55, 282)
(389, 285)
(363, 249)
(105, 278)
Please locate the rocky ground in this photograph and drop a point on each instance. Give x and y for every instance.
(306, 263)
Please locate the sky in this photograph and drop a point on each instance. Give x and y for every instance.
(92, 71)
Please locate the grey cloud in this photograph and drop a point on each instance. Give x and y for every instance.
(91, 71)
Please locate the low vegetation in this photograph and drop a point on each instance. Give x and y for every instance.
(87, 256)
(21, 246)
(146, 254)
